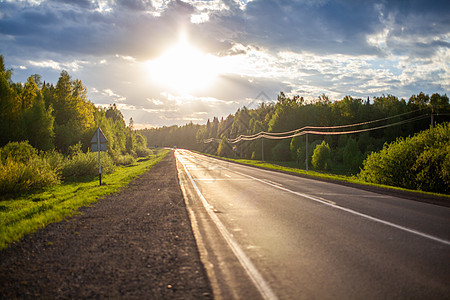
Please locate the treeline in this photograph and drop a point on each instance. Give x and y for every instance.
(346, 152)
(59, 116)
(54, 125)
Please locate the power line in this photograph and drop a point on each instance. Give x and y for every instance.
(304, 130)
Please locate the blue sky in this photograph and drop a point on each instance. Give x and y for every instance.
(169, 62)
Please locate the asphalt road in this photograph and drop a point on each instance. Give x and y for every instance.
(267, 235)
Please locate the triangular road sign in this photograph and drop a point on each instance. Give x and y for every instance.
(98, 132)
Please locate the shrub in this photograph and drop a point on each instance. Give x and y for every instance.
(124, 160)
(84, 164)
(55, 159)
(418, 162)
(18, 152)
(17, 177)
(143, 151)
(321, 156)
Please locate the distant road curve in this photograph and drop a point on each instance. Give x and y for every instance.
(269, 235)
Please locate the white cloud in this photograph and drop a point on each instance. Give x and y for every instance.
(46, 64)
(199, 18)
(155, 102)
(115, 97)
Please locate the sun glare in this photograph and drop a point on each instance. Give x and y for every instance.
(183, 68)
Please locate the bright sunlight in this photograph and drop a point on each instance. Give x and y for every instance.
(184, 68)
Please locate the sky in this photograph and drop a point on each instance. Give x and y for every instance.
(171, 62)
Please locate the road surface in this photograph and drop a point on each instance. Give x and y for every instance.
(268, 235)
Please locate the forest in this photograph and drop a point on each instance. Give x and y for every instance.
(45, 133)
(333, 136)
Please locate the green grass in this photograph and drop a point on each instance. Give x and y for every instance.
(26, 214)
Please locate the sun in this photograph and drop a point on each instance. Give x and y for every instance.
(184, 68)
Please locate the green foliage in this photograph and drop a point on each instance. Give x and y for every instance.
(351, 155)
(123, 160)
(321, 156)
(38, 123)
(59, 117)
(281, 152)
(418, 162)
(295, 144)
(84, 164)
(143, 151)
(18, 151)
(224, 148)
(22, 170)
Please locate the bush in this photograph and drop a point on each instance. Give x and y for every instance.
(55, 159)
(124, 160)
(84, 164)
(18, 152)
(321, 156)
(143, 151)
(419, 162)
(17, 177)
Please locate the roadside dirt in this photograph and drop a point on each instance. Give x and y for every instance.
(135, 244)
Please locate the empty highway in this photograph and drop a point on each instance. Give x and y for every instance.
(268, 235)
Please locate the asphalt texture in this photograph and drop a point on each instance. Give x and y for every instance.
(135, 244)
(298, 238)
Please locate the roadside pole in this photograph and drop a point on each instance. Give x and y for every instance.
(262, 148)
(99, 163)
(306, 151)
(98, 143)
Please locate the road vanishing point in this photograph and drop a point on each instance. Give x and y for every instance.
(268, 235)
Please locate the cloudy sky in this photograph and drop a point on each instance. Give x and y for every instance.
(166, 62)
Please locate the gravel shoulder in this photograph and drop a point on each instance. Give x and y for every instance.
(134, 244)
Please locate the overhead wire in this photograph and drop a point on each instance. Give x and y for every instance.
(304, 130)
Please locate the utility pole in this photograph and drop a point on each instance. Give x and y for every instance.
(432, 117)
(306, 151)
(99, 163)
(262, 148)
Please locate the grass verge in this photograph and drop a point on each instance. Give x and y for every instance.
(24, 215)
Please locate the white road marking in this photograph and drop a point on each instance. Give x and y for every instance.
(334, 205)
(262, 286)
(222, 179)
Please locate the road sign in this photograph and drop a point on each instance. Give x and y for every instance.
(95, 138)
(98, 143)
(94, 147)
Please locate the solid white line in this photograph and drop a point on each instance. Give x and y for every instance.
(262, 286)
(334, 205)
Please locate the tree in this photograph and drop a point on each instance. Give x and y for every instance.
(38, 123)
(321, 156)
(224, 148)
(352, 156)
(296, 143)
(7, 114)
(74, 114)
